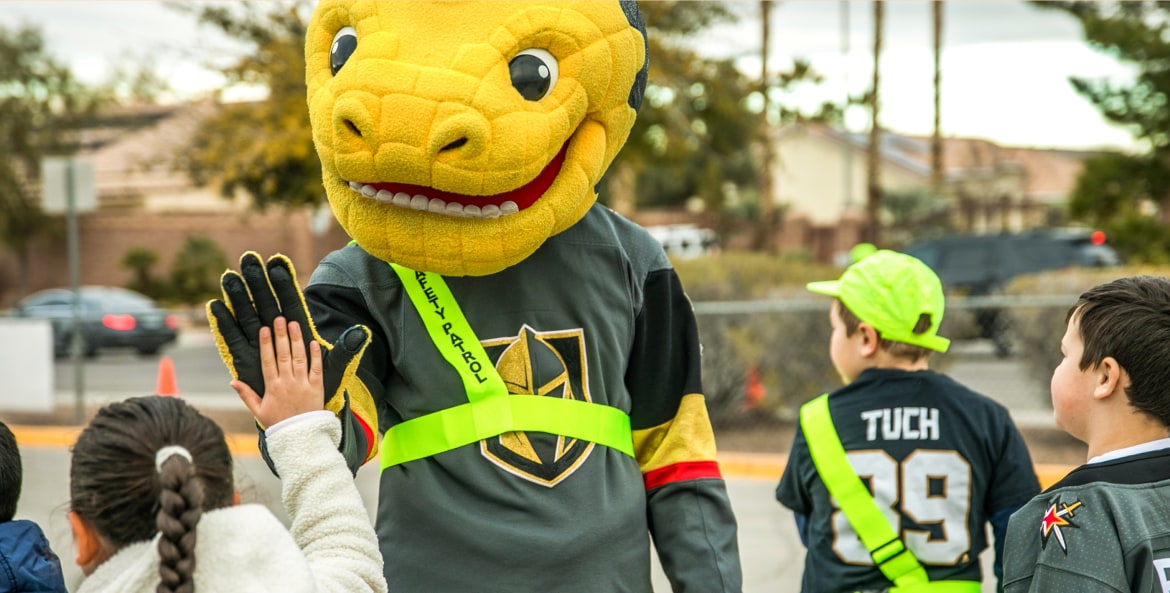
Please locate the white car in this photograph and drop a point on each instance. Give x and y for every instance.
(685, 241)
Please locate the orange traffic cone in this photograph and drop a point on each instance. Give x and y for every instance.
(166, 378)
(754, 391)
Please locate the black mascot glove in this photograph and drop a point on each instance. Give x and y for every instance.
(253, 298)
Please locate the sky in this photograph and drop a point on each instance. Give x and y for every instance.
(1005, 64)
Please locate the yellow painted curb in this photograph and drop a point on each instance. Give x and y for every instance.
(1051, 473)
(45, 436)
(771, 465)
(763, 466)
(65, 436)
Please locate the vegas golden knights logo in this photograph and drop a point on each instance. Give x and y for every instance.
(540, 364)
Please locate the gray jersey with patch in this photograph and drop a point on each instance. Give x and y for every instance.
(1104, 527)
(597, 314)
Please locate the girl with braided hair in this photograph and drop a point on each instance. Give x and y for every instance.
(154, 509)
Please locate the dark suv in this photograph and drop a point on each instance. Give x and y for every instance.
(980, 265)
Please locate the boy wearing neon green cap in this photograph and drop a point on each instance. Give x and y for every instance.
(937, 462)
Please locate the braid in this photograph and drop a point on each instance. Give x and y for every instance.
(118, 484)
(180, 506)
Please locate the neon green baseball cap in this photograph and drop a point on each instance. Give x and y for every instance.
(890, 291)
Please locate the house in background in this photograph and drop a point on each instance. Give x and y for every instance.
(143, 200)
(819, 183)
(820, 176)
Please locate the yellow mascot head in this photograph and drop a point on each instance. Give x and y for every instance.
(457, 137)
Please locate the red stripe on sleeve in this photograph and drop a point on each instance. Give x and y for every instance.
(371, 444)
(681, 472)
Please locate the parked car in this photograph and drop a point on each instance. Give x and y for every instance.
(109, 317)
(981, 265)
(685, 241)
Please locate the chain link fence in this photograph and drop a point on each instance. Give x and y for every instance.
(762, 359)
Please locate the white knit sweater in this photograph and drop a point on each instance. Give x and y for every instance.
(330, 545)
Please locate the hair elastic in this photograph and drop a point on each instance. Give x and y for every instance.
(166, 452)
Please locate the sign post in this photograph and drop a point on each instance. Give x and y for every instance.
(67, 187)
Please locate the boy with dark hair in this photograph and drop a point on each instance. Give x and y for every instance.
(894, 477)
(27, 563)
(1106, 525)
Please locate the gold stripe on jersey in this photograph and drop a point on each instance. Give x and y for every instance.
(686, 437)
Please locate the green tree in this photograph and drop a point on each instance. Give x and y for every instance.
(1121, 194)
(263, 148)
(699, 128)
(137, 83)
(694, 135)
(1128, 195)
(41, 108)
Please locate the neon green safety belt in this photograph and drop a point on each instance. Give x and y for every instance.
(490, 410)
(896, 562)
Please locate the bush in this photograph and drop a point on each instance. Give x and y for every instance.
(196, 270)
(788, 350)
(1037, 329)
(733, 276)
(141, 261)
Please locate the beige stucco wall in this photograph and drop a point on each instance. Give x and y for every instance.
(818, 177)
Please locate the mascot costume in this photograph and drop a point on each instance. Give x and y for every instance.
(522, 361)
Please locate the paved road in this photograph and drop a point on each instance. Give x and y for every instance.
(202, 378)
(117, 374)
(772, 556)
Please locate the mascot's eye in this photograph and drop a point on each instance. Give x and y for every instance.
(344, 44)
(534, 73)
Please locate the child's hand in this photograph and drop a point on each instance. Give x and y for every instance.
(293, 383)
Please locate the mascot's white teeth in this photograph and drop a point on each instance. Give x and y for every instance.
(421, 202)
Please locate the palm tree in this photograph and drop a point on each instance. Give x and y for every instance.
(764, 237)
(873, 188)
(936, 164)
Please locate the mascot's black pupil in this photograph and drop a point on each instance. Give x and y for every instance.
(530, 76)
(343, 47)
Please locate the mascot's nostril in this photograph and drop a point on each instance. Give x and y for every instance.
(350, 125)
(454, 145)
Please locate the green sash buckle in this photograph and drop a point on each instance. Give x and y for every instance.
(490, 410)
(894, 559)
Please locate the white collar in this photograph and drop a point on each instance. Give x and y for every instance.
(1146, 447)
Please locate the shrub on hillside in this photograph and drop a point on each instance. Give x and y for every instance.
(141, 261)
(196, 270)
(735, 276)
(1037, 330)
(787, 352)
(784, 350)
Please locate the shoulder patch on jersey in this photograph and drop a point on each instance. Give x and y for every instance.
(1058, 516)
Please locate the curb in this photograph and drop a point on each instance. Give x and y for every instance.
(770, 466)
(63, 437)
(734, 464)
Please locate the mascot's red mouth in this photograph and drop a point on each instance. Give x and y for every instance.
(417, 197)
